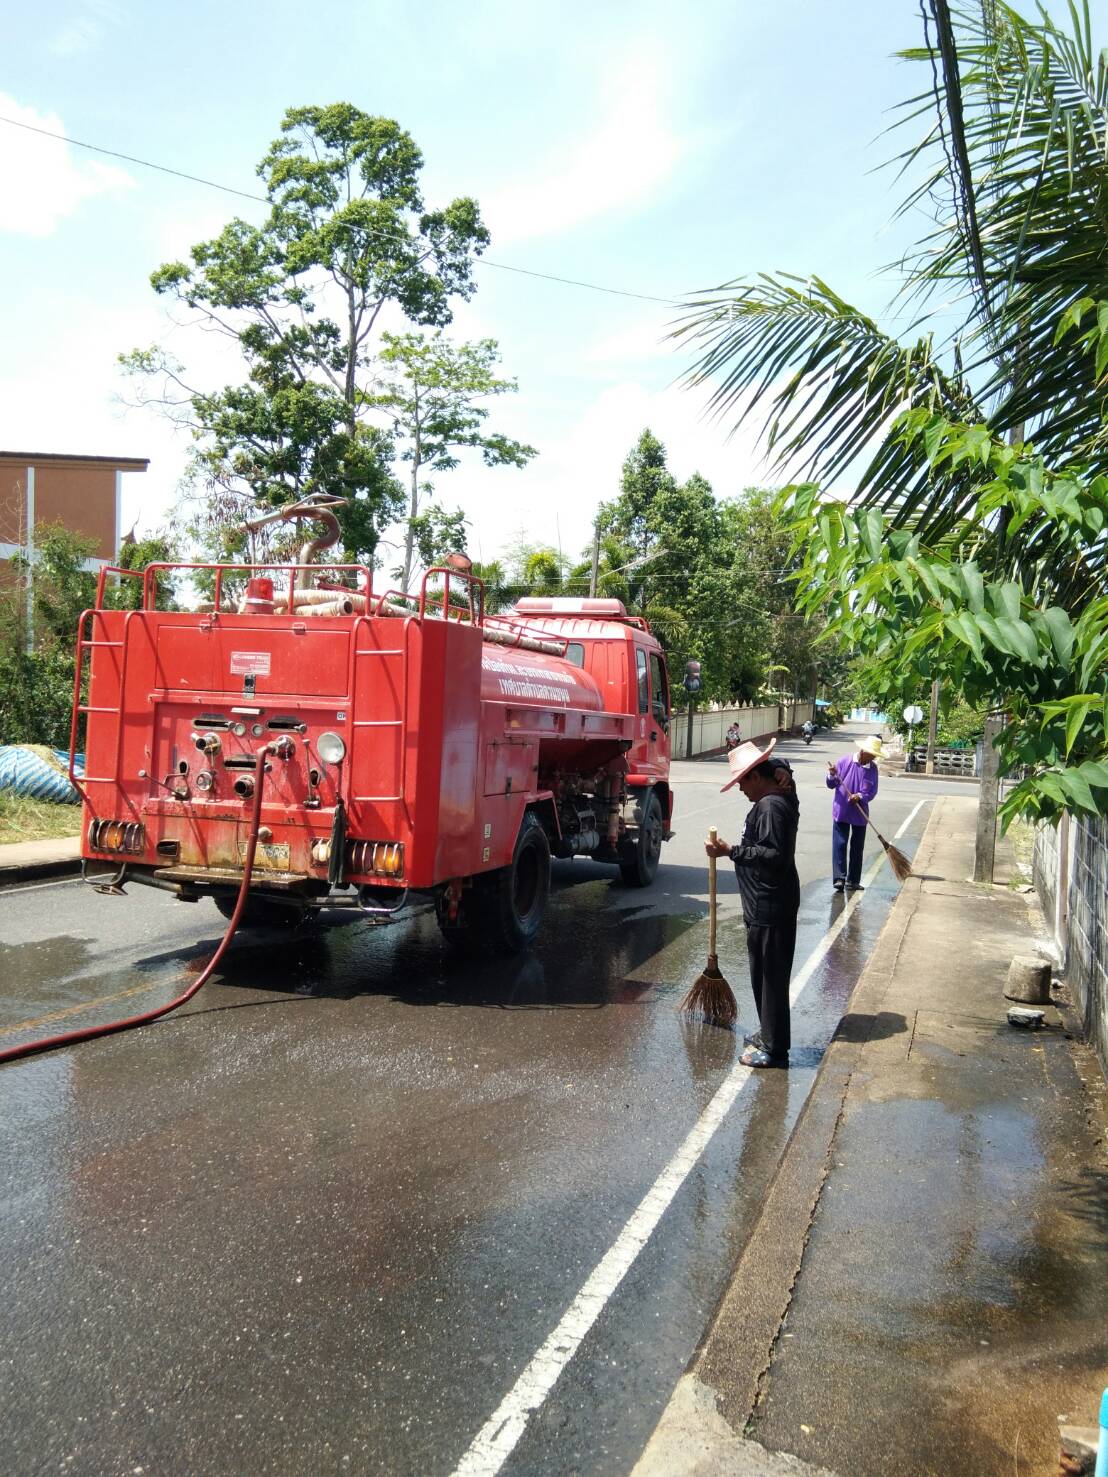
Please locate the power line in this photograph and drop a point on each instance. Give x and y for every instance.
(131, 159)
(197, 179)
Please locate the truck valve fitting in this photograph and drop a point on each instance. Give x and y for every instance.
(283, 747)
(244, 786)
(207, 743)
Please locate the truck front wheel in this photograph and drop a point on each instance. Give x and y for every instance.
(639, 862)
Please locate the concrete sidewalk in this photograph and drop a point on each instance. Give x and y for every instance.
(23, 861)
(926, 1289)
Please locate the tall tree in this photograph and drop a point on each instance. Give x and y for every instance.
(432, 394)
(708, 575)
(301, 297)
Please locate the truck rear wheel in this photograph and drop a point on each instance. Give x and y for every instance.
(260, 912)
(503, 910)
(639, 862)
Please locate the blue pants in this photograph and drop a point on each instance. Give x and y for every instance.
(844, 836)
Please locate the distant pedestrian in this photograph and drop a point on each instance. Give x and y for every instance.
(765, 868)
(854, 781)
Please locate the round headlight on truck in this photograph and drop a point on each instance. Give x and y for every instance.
(330, 748)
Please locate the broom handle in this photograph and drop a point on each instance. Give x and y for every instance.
(864, 808)
(712, 834)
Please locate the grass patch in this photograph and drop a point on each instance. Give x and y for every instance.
(23, 819)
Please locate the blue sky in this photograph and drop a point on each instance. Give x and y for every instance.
(649, 147)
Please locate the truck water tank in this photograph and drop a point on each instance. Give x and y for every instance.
(527, 678)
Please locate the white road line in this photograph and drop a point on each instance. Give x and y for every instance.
(499, 1436)
(19, 887)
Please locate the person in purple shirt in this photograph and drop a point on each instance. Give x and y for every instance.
(854, 781)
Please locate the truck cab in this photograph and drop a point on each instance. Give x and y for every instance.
(625, 659)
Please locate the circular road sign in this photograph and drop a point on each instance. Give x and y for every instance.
(913, 714)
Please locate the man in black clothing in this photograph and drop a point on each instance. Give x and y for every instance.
(765, 868)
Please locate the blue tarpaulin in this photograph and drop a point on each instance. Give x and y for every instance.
(28, 773)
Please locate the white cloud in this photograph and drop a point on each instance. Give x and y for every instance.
(644, 340)
(82, 31)
(621, 163)
(41, 180)
(555, 497)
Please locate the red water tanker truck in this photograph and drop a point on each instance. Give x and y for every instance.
(364, 748)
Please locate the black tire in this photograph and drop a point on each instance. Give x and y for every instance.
(502, 912)
(260, 912)
(639, 862)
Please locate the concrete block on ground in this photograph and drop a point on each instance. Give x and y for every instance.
(1028, 980)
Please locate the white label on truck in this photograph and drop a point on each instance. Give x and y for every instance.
(245, 662)
(515, 669)
(268, 855)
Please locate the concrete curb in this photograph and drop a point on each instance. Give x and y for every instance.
(27, 861)
(725, 1375)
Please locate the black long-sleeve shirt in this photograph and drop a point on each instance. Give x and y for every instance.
(765, 861)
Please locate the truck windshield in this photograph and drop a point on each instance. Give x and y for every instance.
(644, 684)
(660, 706)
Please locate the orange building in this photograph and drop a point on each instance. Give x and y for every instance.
(83, 492)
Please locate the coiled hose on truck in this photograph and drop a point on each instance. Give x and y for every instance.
(89, 1033)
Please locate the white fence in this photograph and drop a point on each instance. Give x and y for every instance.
(1071, 876)
(709, 727)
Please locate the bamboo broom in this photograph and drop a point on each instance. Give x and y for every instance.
(710, 994)
(901, 866)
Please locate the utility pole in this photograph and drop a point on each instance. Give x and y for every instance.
(595, 559)
(985, 850)
(989, 787)
(932, 729)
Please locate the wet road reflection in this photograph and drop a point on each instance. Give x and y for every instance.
(322, 1218)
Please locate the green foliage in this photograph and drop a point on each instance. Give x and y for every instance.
(436, 533)
(708, 575)
(347, 235)
(36, 685)
(914, 612)
(432, 394)
(1013, 171)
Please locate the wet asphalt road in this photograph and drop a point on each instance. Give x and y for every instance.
(322, 1218)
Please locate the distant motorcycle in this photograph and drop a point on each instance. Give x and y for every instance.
(806, 733)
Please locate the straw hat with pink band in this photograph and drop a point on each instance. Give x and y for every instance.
(746, 757)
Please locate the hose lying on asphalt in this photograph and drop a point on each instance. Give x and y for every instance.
(89, 1033)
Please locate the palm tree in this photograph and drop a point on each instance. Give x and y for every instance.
(1015, 170)
(492, 573)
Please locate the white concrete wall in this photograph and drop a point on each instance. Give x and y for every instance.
(1071, 877)
(710, 727)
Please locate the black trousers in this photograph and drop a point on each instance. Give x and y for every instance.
(770, 947)
(844, 837)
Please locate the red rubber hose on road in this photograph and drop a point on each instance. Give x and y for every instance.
(89, 1033)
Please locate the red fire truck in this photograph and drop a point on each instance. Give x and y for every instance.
(365, 747)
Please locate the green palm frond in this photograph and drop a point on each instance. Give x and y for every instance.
(826, 379)
(1035, 131)
(1013, 168)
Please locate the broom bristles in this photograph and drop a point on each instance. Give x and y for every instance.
(712, 997)
(902, 867)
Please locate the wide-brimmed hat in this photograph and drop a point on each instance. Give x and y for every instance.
(744, 758)
(871, 744)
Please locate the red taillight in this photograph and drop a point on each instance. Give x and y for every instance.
(381, 858)
(128, 837)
